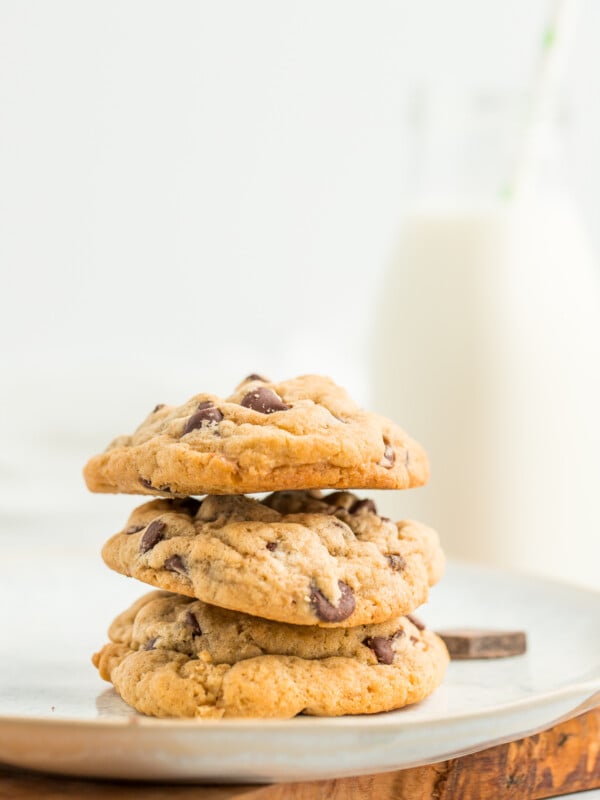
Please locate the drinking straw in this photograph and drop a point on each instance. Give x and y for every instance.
(549, 73)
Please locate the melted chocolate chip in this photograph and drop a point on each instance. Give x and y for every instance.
(134, 529)
(271, 546)
(145, 482)
(416, 621)
(414, 639)
(341, 499)
(154, 533)
(254, 377)
(338, 523)
(151, 643)
(382, 647)
(389, 457)
(292, 502)
(158, 408)
(188, 504)
(363, 505)
(264, 400)
(175, 564)
(396, 562)
(326, 611)
(192, 621)
(206, 416)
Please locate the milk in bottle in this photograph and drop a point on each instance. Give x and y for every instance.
(487, 349)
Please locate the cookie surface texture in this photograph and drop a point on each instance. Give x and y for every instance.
(304, 433)
(171, 656)
(299, 557)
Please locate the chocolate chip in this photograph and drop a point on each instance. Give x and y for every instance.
(477, 643)
(338, 523)
(264, 400)
(328, 612)
(363, 505)
(134, 529)
(416, 621)
(389, 457)
(206, 416)
(288, 502)
(341, 499)
(414, 639)
(271, 546)
(382, 647)
(154, 533)
(145, 482)
(150, 644)
(188, 504)
(192, 621)
(255, 377)
(175, 564)
(158, 408)
(396, 562)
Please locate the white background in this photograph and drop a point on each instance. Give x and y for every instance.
(191, 191)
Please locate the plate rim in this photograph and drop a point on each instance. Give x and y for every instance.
(394, 718)
(588, 688)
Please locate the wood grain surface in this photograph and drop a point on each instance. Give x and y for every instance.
(564, 759)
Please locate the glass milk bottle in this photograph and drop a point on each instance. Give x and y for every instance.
(487, 349)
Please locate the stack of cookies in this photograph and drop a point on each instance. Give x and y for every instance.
(299, 602)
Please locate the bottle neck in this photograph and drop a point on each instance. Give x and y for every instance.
(478, 149)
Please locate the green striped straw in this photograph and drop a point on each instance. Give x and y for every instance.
(549, 74)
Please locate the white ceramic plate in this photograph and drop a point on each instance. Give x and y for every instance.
(57, 715)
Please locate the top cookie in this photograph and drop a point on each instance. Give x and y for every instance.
(305, 433)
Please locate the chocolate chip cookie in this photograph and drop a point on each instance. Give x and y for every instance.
(304, 433)
(171, 656)
(297, 557)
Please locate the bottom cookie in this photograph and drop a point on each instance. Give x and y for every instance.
(174, 656)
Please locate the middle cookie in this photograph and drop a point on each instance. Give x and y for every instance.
(298, 557)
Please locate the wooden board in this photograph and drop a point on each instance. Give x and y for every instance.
(564, 759)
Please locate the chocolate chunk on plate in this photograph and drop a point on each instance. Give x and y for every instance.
(483, 643)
